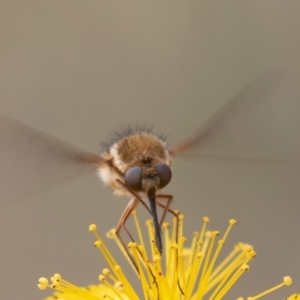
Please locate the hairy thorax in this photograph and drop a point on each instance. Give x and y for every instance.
(140, 149)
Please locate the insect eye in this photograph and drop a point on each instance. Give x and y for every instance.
(133, 178)
(164, 173)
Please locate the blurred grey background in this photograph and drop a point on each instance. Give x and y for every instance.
(79, 70)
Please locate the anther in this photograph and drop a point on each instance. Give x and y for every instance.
(102, 278)
(92, 227)
(97, 244)
(205, 219)
(287, 280)
(232, 221)
(42, 283)
(106, 271)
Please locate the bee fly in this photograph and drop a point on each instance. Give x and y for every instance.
(136, 163)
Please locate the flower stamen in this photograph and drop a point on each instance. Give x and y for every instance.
(184, 272)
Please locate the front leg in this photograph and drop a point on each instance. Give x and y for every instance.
(121, 224)
(169, 199)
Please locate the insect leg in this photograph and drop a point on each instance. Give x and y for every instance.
(134, 194)
(127, 212)
(167, 209)
(169, 199)
(121, 224)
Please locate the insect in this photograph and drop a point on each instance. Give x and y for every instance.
(136, 163)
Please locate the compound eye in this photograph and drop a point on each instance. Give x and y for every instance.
(164, 174)
(133, 178)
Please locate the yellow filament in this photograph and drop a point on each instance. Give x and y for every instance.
(193, 275)
(112, 235)
(203, 277)
(216, 272)
(203, 232)
(112, 288)
(232, 281)
(286, 281)
(193, 247)
(141, 272)
(180, 226)
(166, 234)
(227, 273)
(151, 234)
(220, 272)
(138, 228)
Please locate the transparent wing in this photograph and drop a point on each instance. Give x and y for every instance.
(252, 125)
(31, 161)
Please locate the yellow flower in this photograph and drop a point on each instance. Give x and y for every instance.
(184, 272)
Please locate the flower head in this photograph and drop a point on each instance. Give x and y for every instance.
(185, 271)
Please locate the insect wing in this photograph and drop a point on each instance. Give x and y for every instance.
(245, 127)
(31, 160)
